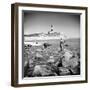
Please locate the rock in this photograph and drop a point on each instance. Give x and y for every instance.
(42, 70)
(51, 59)
(38, 55)
(39, 50)
(64, 71)
(67, 54)
(69, 59)
(73, 62)
(76, 71)
(37, 70)
(65, 63)
(73, 65)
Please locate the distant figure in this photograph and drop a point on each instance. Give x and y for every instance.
(62, 44)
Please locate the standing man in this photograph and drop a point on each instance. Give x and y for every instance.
(61, 44)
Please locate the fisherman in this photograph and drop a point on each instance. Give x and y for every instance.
(62, 44)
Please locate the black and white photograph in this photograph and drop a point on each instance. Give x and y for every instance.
(51, 44)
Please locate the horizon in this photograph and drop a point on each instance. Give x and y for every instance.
(38, 22)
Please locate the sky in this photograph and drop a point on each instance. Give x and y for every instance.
(38, 22)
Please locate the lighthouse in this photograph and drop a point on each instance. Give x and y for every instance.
(51, 29)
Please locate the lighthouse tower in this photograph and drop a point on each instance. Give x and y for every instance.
(51, 27)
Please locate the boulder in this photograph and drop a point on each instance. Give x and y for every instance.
(73, 62)
(67, 54)
(42, 70)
